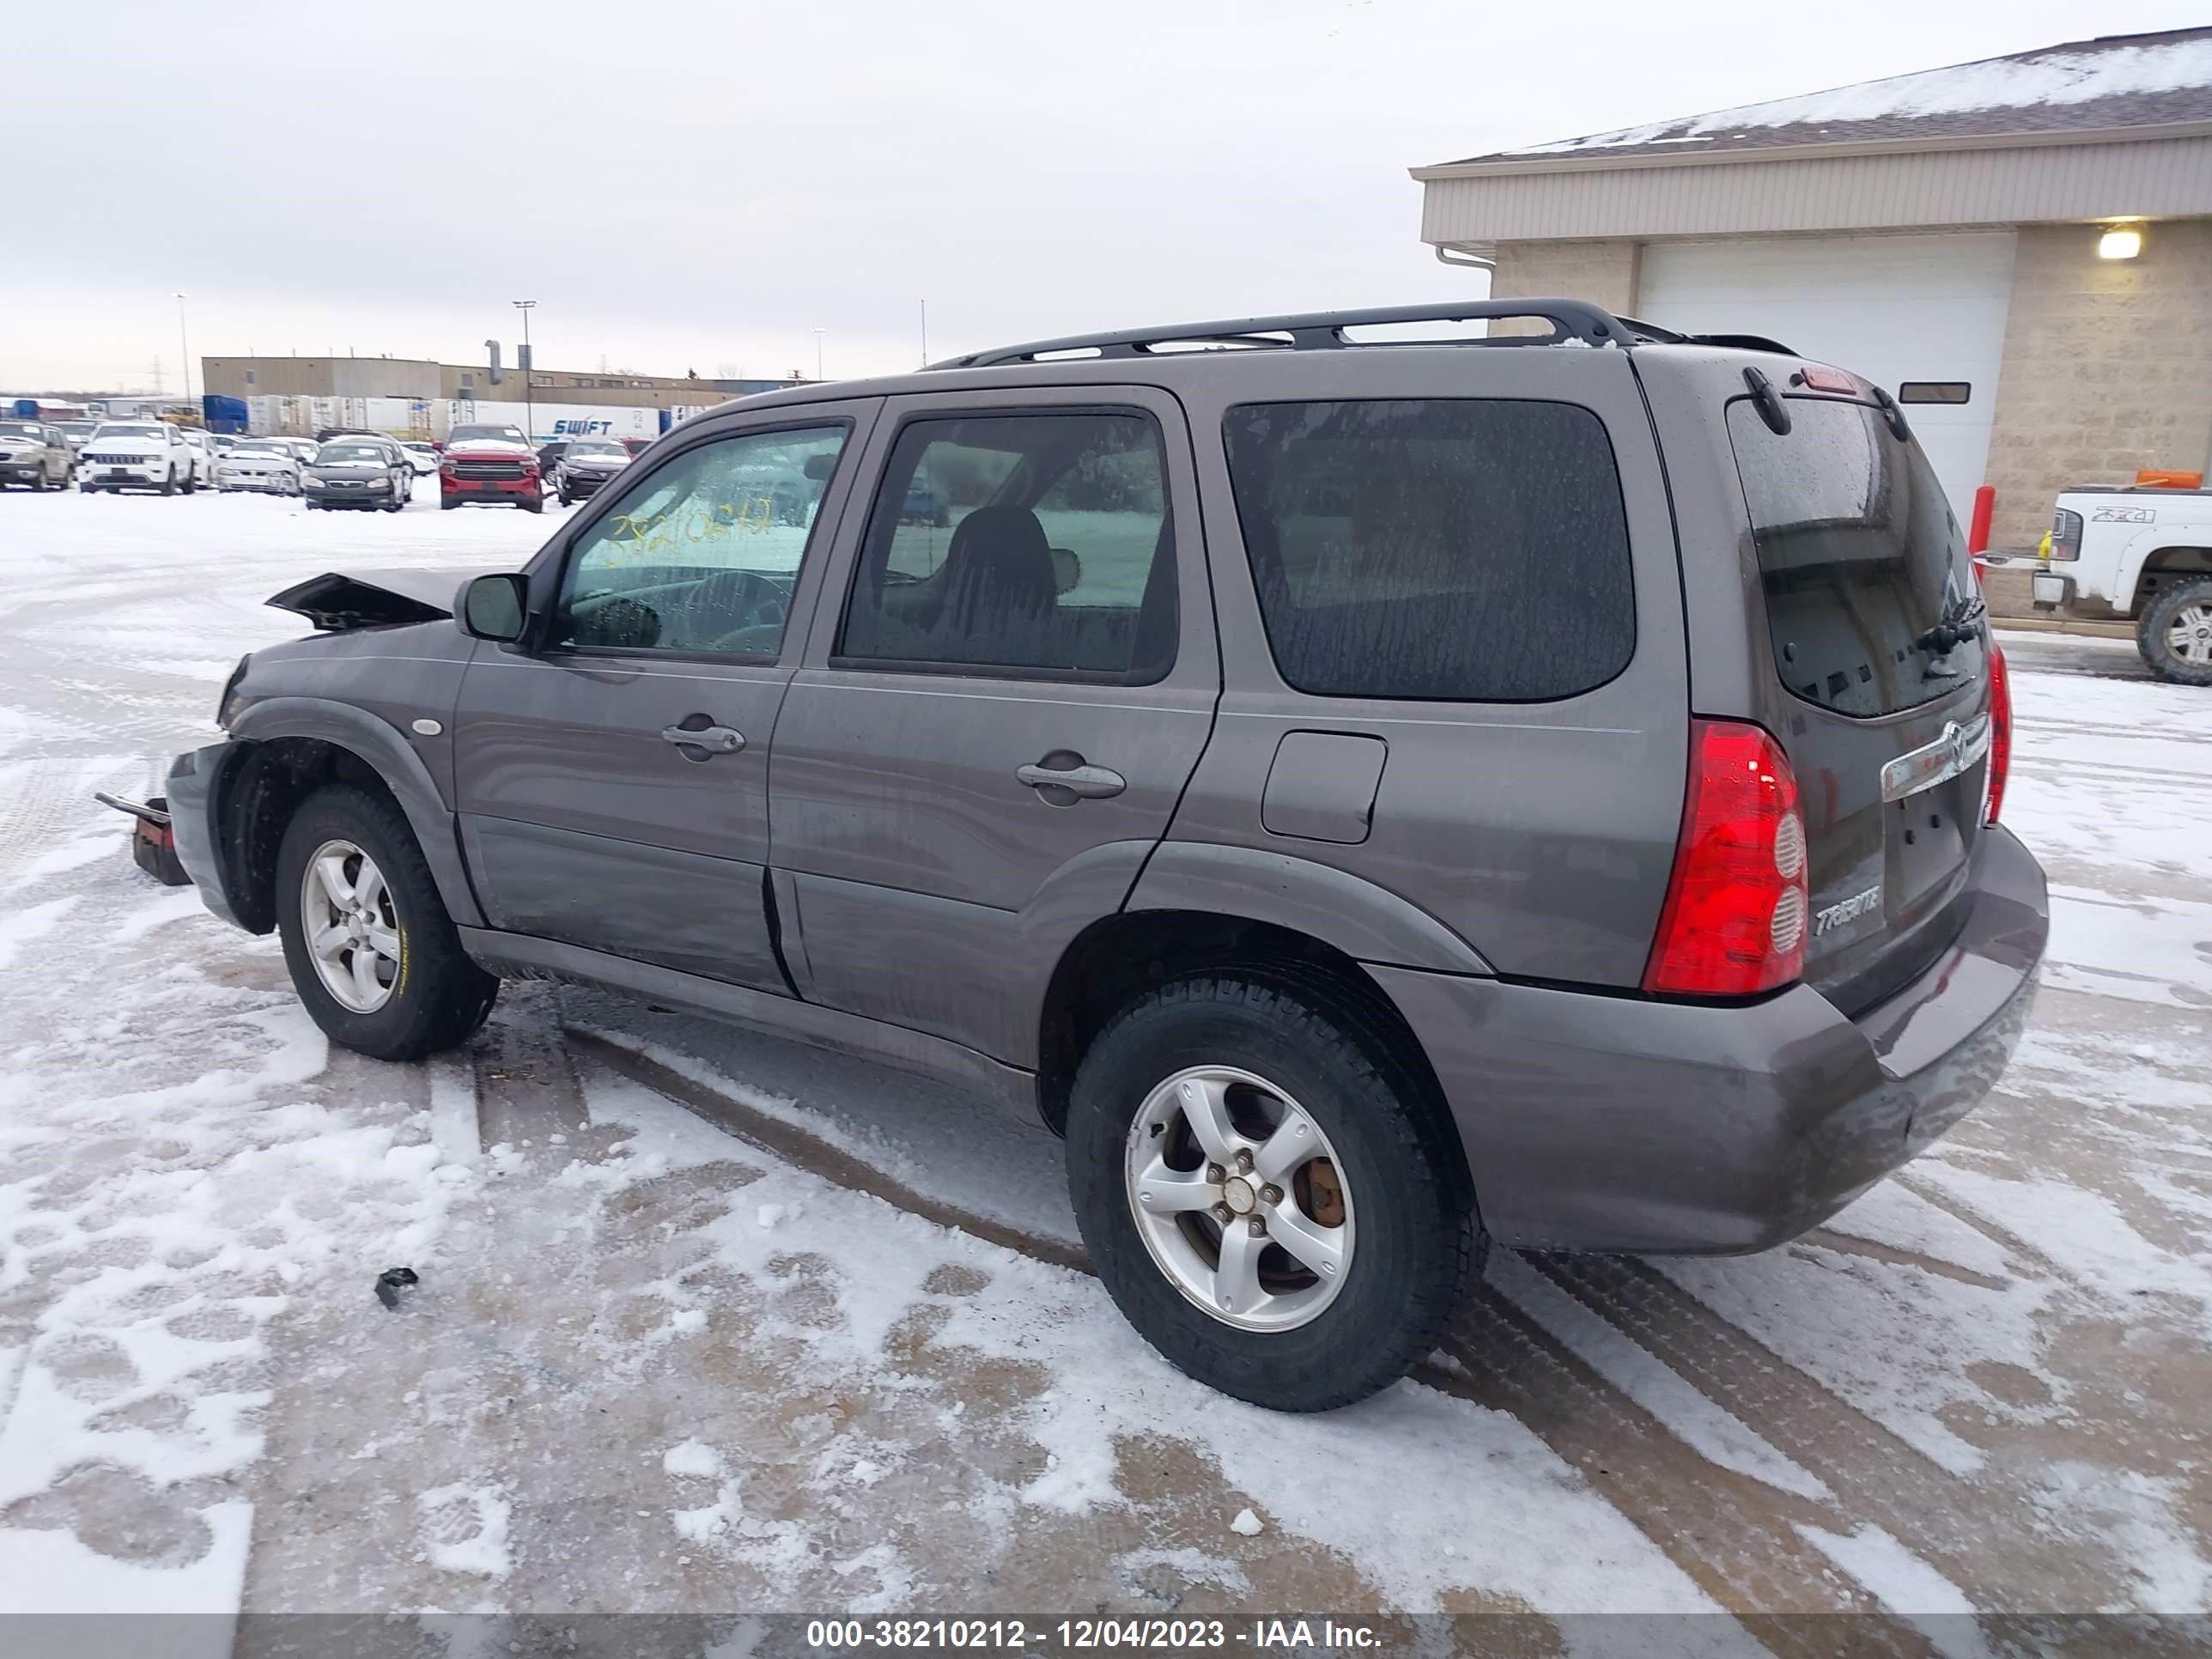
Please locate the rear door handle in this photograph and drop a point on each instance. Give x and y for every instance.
(715, 739)
(1091, 783)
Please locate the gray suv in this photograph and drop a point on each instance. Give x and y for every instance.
(1371, 799)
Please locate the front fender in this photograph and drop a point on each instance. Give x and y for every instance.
(389, 753)
(1368, 923)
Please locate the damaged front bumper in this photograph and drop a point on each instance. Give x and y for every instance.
(194, 795)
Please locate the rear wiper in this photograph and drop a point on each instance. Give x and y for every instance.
(1955, 627)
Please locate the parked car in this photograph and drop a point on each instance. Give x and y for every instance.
(637, 446)
(304, 448)
(204, 454)
(486, 464)
(269, 466)
(422, 457)
(75, 432)
(2141, 552)
(926, 504)
(549, 456)
(1557, 804)
(137, 455)
(359, 472)
(588, 464)
(34, 453)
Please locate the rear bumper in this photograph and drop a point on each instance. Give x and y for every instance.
(194, 796)
(1614, 1123)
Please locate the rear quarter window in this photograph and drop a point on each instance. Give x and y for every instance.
(1446, 549)
(1860, 557)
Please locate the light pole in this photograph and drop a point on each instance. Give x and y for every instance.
(819, 333)
(529, 369)
(184, 339)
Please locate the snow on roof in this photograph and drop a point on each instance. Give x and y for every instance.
(2113, 81)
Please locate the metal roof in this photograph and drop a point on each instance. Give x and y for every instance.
(2108, 84)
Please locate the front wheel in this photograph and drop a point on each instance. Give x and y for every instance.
(372, 952)
(169, 483)
(1263, 1196)
(533, 504)
(2175, 633)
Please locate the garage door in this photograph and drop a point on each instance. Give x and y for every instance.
(1896, 309)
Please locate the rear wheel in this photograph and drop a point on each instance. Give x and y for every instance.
(2175, 633)
(372, 952)
(1261, 1195)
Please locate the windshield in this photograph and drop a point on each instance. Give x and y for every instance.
(1860, 560)
(462, 435)
(597, 446)
(342, 454)
(261, 449)
(128, 432)
(19, 429)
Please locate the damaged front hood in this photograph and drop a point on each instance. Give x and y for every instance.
(338, 600)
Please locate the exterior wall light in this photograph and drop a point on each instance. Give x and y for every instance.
(2119, 244)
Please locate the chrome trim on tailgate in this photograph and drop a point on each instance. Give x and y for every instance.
(1957, 748)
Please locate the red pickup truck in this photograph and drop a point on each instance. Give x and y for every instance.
(490, 464)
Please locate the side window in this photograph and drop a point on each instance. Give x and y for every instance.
(1038, 542)
(701, 554)
(1450, 549)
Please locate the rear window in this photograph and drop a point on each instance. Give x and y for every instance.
(1446, 549)
(1859, 556)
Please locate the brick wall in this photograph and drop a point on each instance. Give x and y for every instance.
(2107, 368)
(1601, 272)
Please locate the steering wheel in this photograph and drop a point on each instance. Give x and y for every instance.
(758, 601)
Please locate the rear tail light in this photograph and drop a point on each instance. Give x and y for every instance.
(2000, 736)
(2065, 535)
(1734, 922)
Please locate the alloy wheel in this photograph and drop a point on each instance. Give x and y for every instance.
(1240, 1198)
(352, 930)
(2189, 636)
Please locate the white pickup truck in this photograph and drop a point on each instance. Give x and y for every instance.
(2137, 552)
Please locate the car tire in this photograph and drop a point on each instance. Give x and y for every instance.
(534, 504)
(1409, 1243)
(2184, 609)
(169, 483)
(427, 996)
(447, 504)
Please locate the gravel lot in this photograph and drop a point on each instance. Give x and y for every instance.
(711, 1324)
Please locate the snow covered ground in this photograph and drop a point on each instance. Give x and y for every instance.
(716, 1324)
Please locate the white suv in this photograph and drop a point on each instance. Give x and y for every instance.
(137, 455)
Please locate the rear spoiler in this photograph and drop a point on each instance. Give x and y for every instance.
(336, 600)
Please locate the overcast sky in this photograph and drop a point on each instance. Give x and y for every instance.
(701, 186)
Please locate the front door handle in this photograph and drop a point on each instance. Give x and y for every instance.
(713, 740)
(1087, 782)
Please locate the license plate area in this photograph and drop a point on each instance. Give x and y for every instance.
(1925, 843)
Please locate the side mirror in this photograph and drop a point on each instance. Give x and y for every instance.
(495, 608)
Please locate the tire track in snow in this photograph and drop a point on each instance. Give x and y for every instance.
(1731, 1533)
(1877, 1476)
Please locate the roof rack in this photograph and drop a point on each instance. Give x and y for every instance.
(1575, 321)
